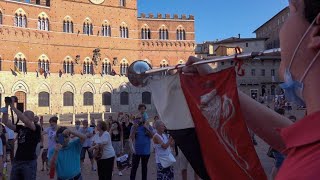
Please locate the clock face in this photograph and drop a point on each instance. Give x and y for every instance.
(97, 1)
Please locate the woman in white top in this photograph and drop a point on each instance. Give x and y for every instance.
(102, 140)
(162, 147)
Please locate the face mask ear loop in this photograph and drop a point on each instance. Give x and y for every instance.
(309, 67)
(301, 40)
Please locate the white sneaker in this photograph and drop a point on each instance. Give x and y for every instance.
(120, 173)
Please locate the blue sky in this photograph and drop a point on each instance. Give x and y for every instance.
(218, 19)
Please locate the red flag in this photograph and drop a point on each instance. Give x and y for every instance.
(203, 115)
(224, 139)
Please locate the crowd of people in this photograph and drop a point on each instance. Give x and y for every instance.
(124, 141)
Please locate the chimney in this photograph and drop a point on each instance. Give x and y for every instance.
(239, 36)
(143, 15)
(151, 15)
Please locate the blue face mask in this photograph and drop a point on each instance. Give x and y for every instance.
(293, 89)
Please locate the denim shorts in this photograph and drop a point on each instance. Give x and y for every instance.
(24, 170)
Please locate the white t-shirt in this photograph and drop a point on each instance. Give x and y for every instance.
(108, 150)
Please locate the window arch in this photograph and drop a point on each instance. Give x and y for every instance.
(106, 29)
(181, 33)
(68, 24)
(68, 99)
(124, 98)
(124, 67)
(106, 99)
(43, 22)
(20, 19)
(87, 27)
(20, 63)
(44, 99)
(1, 17)
(163, 33)
(43, 63)
(145, 32)
(181, 61)
(88, 99)
(146, 98)
(122, 3)
(106, 67)
(88, 66)
(68, 66)
(124, 31)
(164, 63)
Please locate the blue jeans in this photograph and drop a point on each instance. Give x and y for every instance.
(24, 170)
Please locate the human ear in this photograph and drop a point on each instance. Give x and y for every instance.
(315, 35)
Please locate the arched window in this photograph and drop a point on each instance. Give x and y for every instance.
(43, 22)
(20, 64)
(106, 29)
(87, 27)
(181, 33)
(68, 66)
(43, 63)
(106, 99)
(164, 63)
(44, 99)
(68, 98)
(1, 17)
(20, 20)
(122, 3)
(124, 31)
(88, 66)
(106, 67)
(163, 33)
(88, 99)
(146, 98)
(145, 32)
(124, 98)
(124, 67)
(67, 25)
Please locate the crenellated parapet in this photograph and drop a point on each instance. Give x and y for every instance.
(166, 16)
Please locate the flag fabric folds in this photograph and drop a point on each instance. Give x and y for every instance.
(210, 105)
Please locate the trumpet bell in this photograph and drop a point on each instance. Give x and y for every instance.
(136, 73)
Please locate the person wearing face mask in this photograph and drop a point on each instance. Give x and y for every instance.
(51, 133)
(65, 157)
(300, 69)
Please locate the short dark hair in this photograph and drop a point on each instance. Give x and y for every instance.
(311, 9)
(280, 111)
(53, 119)
(142, 106)
(292, 117)
(60, 130)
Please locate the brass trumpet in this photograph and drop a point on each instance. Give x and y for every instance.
(140, 72)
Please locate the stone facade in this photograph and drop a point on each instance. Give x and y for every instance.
(72, 42)
(271, 29)
(261, 77)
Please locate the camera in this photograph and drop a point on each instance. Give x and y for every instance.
(8, 100)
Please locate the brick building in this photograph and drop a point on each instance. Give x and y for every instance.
(71, 56)
(271, 29)
(261, 77)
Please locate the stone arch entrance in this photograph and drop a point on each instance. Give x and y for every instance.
(22, 100)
